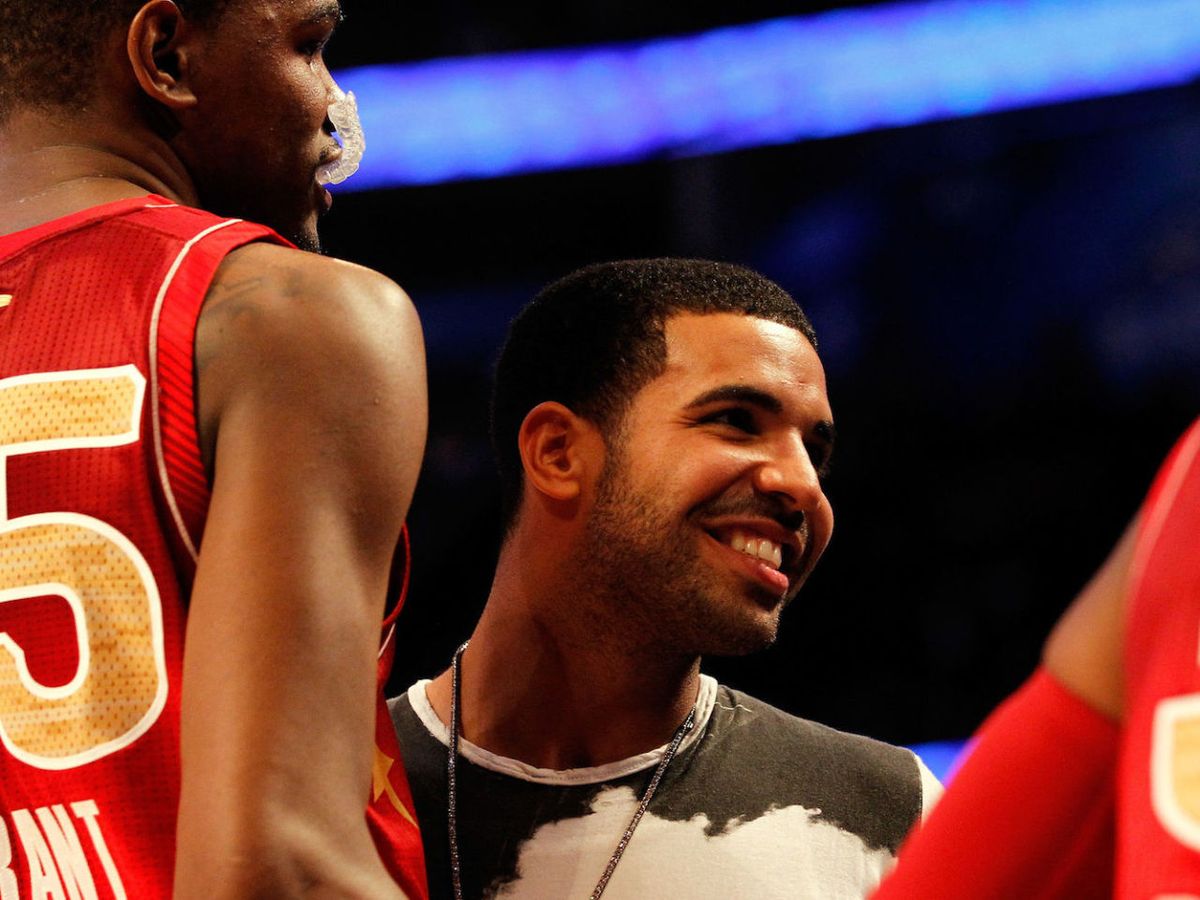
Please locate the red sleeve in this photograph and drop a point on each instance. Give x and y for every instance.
(1029, 815)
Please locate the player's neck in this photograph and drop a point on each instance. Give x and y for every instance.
(550, 691)
(51, 167)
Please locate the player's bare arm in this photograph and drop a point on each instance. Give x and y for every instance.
(1084, 650)
(311, 404)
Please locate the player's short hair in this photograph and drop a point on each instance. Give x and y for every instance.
(49, 48)
(593, 339)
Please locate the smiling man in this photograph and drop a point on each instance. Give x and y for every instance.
(208, 443)
(661, 428)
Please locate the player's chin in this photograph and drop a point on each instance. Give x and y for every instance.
(299, 223)
(310, 242)
(303, 231)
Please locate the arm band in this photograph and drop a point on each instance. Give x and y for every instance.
(1029, 815)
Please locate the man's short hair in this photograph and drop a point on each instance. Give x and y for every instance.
(49, 48)
(593, 339)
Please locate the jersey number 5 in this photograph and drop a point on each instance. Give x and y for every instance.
(120, 685)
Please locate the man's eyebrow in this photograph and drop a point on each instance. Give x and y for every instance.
(738, 393)
(327, 12)
(823, 430)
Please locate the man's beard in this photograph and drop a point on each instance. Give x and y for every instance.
(648, 584)
(288, 218)
(305, 240)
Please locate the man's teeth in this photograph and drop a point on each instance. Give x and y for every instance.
(759, 548)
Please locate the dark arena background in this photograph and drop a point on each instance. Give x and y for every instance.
(990, 210)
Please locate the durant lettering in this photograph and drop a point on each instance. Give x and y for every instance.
(65, 856)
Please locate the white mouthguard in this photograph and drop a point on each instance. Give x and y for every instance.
(343, 113)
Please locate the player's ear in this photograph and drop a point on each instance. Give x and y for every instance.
(557, 451)
(159, 47)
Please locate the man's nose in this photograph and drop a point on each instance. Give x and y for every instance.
(788, 473)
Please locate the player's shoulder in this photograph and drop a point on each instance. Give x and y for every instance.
(320, 321)
(266, 297)
(272, 273)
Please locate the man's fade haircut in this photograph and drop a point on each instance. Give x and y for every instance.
(49, 48)
(593, 339)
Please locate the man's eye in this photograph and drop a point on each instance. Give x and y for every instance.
(741, 419)
(821, 462)
(820, 455)
(314, 47)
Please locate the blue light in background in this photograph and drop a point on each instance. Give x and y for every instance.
(773, 82)
(942, 757)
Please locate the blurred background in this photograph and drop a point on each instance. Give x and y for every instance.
(990, 210)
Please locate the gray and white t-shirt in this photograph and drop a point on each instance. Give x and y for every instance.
(756, 804)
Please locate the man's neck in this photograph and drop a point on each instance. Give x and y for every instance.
(553, 692)
(51, 167)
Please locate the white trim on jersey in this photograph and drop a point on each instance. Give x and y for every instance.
(156, 424)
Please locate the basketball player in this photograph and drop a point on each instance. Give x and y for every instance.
(210, 439)
(1084, 783)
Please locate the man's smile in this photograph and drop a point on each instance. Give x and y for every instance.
(759, 556)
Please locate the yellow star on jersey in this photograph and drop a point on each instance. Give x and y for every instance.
(381, 784)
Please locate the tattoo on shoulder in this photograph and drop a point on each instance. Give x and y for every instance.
(235, 290)
(226, 301)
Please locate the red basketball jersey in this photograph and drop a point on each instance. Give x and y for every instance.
(1158, 852)
(102, 503)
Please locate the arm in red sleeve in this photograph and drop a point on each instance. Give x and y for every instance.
(1029, 815)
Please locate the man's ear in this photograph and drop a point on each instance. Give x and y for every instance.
(160, 54)
(557, 447)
